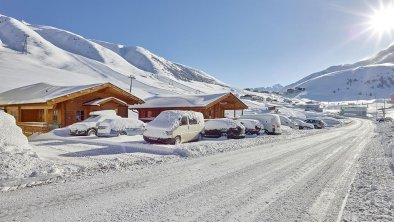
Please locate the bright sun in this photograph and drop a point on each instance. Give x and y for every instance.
(382, 20)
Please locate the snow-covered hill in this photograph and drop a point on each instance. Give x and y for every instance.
(362, 80)
(61, 57)
(273, 88)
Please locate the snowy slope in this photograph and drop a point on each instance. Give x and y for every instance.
(273, 88)
(361, 80)
(60, 57)
(147, 61)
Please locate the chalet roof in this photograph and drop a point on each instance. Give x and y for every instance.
(174, 101)
(98, 102)
(41, 93)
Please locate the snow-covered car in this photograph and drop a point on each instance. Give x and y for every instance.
(174, 127)
(252, 126)
(303, 125)
(317, 123)
(89, 126)
(386, 119)
(286, 121)
(271, 122)
(120, 126)
(330, 122)
(216, 128)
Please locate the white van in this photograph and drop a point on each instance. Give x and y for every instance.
(175, 127)
(271, 122)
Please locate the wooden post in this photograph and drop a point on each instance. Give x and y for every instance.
(46, 115)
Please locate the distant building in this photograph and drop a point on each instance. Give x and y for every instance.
(290, 90)
(354, 110)
(300, 88)
(313, 107)
(392, 98)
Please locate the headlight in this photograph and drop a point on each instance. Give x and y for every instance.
(169, 133)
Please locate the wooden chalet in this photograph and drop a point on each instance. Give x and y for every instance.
(211, 105)
(42, 107)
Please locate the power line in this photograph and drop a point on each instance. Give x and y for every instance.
(25, 43)
(131, 81)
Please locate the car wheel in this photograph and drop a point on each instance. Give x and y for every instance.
(177, 140)
(91, 132)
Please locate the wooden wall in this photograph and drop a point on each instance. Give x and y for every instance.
(70, 107)
(213, 112)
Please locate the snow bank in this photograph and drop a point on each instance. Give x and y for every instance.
(371, 195)
(17, 161)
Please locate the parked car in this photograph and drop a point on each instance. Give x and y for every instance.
(317, 123)
(303, 125)
(120, 126)
(89, 126)
(174, 127)
(330, 121)
(271, 122)
(223, 127)
(252, 126)
(386, 119)
(286, 121)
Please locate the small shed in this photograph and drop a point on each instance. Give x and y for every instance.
(354, 110)
(41, 107)
(210, 105)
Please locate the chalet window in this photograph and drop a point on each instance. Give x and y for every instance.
(32, 115)
(55, 115)
(149, 113)
(184, 121)
(80, 116)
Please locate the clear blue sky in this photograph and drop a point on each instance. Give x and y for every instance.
(246, 43)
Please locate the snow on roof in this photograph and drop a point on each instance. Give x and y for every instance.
(198, 100)
(39, 93)
(98, 102)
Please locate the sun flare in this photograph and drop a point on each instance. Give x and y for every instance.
(382, 19)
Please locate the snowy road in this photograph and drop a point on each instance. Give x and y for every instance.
(306, 179)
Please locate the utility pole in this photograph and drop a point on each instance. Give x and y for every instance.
(384, 108)
(25, 43)
(131, 81)
(376, 107)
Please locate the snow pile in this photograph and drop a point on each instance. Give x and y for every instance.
(209, 147)
(17, 161)
(371, 195)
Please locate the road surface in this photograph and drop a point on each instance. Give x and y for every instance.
(305, 179)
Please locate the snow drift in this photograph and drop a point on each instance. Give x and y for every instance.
(17, 161)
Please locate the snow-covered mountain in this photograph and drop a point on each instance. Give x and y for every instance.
(273, 88)
(61, 57)
(362, 80)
